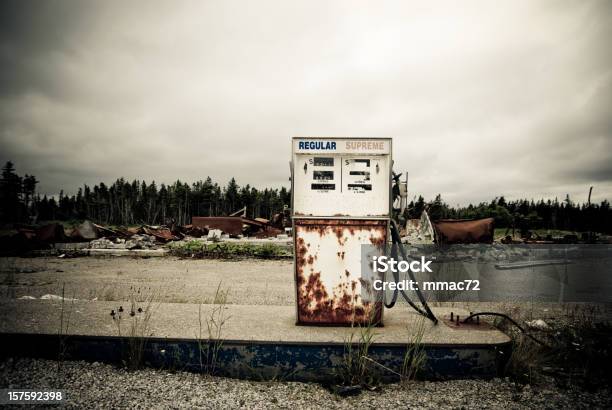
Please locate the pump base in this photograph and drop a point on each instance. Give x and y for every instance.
(259, 342)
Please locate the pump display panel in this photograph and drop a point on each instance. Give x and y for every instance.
(341, 178)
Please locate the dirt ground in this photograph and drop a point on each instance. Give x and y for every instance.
(248, 282)
(177, 280)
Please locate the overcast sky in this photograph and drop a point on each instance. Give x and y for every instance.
(481, 98)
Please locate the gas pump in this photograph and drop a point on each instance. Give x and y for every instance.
(341, 205)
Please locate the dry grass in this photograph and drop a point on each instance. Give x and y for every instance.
(64, 327)
(577, 350)
(415, 357)
(356, 367)
(142, 303)
(210, 346)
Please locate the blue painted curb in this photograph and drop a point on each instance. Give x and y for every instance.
(309, 362)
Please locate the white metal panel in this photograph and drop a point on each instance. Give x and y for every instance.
(334, 283)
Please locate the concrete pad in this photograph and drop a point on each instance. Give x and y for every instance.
(269, 324)
(258, 342)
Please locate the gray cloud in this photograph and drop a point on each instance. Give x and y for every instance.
(482, 99)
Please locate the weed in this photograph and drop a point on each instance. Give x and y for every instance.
(209, 347)
(64, 325)
(139, 318)
(355, 368)
(583, 354)
(578, 350)
(525, 360)
(527, 356)
(415, 356)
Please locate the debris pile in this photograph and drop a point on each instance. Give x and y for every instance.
(236, 226)
(94, 236)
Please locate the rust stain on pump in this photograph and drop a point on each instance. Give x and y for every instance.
(328, 293)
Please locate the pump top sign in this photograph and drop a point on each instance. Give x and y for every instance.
(342, 146)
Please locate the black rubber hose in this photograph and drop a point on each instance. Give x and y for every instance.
(395, 292)
(396, 241)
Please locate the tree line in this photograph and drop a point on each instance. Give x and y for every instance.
(523, 214)
(136, 202)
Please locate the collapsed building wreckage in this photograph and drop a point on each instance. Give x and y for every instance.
(27, 238)
(417, 231)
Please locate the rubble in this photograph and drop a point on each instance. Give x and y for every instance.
(159, 232)
(86, 231)
(419, 231)
(104, 243)
(236, 226)
(109, 232)
(193, 231)
(135, 242)
(141, 242)
(214, 234)
(88, 236)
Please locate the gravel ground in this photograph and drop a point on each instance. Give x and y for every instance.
(102, 386)
(249, 282)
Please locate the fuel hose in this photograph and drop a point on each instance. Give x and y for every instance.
(396, 244)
